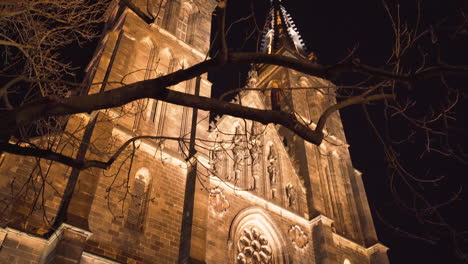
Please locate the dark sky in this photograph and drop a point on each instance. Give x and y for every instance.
(332, 28)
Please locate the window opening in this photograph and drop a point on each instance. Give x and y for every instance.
(182, 25)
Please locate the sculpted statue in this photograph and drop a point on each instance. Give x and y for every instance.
(272, 166)
(255, 155)
(291, 194)
(217, 158)
(238, 154)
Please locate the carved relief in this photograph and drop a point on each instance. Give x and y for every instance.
(298, 236)
(217, 201)
(291, 195)
(253, 248)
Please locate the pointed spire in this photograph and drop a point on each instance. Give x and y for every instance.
(280, 32)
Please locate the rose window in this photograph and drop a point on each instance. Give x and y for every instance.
(253, 248)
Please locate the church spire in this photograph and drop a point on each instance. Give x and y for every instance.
(280, 32)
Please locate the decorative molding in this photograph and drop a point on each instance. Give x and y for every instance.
(321, 219)
(258, 201)
(218, 202)
(298, 237)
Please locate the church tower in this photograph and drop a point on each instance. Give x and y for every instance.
(233, 191)
(289, 200)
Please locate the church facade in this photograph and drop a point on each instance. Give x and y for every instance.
(190, 190)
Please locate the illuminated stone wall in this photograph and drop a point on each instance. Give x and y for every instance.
(263, 195)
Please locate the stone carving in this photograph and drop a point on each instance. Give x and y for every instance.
(255, 154)
(252, 78)
(218, 157)
(238, 154)
(253, 248)
(272, 169)
(273, 193)
(298, 236)
(291, 194)
(273, 165)
(218, 201)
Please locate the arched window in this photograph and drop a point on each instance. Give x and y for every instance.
(314, 98)
(165, 64)
(276, 96)
(182, 24)
(144, 69)
(346, 261)
(139, 200)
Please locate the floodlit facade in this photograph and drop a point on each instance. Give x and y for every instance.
(229, 191)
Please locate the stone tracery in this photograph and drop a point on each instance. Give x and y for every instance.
(254, 248)
(298, 236)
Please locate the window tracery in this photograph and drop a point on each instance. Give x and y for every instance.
(254, 248)
(254, 238)
(182, 24)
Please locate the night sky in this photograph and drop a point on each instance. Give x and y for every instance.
(331, 29)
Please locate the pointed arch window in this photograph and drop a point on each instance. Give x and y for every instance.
(139, 201)
(182, 24)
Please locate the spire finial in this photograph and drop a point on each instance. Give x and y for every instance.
(280, 31)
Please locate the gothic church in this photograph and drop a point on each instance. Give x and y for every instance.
(188, 191)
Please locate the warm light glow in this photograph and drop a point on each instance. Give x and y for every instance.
(346, 261)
